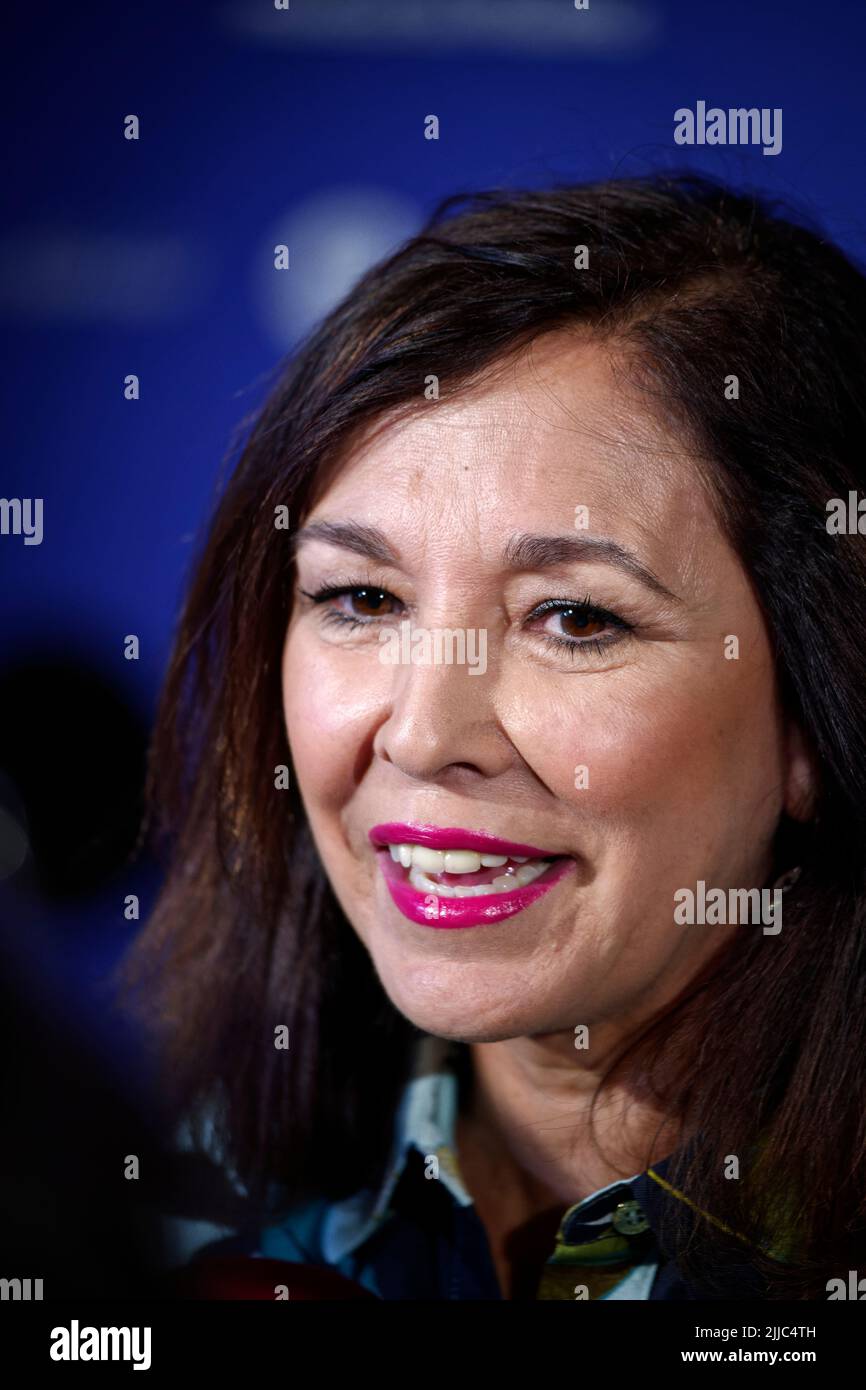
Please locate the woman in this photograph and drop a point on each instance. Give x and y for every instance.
(519, 662)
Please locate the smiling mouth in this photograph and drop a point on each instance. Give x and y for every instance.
(465, 873)
(451, 878)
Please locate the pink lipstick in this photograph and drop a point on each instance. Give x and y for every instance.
(446, 908)
(452, 837)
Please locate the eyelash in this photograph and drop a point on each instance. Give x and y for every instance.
(587, 610)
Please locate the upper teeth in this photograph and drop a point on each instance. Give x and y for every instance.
(449, 861)
(421, 862)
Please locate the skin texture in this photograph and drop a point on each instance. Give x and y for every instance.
(690, 758)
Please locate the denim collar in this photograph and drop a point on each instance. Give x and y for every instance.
(426, 1122)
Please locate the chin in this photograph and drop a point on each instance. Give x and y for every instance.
(445, 1014)
(463, 1031)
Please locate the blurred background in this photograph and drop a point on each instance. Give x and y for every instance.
(155, 258)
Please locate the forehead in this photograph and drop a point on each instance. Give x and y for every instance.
(557, 427)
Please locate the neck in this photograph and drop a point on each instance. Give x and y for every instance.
(535, 1129)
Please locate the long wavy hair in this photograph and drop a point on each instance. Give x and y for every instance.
(692, 281)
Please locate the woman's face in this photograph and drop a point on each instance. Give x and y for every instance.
(639, 750)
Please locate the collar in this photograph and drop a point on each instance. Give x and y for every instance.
(426, 1122)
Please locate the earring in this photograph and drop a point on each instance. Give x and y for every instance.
(782, 884)
(788, 879)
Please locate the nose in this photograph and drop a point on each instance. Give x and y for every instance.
(441, 720)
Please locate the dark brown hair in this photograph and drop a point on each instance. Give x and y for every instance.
(693, 282)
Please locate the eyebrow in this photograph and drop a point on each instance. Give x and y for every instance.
(523, 552)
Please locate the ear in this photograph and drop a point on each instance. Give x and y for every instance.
(801, 781)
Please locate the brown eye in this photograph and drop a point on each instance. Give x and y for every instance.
(368, 603)
(579, 623)
(353, 605)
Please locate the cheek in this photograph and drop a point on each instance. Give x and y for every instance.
(329, 706)
(640, 748)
